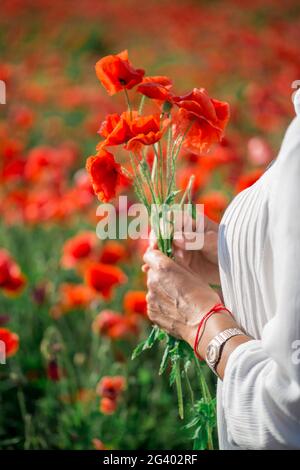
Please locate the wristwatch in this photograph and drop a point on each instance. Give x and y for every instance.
(214, 348)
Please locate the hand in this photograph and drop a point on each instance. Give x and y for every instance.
(203, 262)
(177, 297)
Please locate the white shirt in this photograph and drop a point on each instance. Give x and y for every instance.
(259, 256)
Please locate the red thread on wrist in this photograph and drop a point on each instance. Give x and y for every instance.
(218, 308)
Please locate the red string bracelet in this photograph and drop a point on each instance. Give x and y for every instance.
(215, 309)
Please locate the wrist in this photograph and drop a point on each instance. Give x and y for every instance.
(228, 348)
(192, 327)
(214, 325)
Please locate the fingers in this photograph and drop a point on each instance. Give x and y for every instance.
(152, 240)
(187, 232)
(155, 259)
(185, 239)
(145, 268)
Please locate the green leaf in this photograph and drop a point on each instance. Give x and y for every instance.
(164, 361)
(171, 197)
(138, 350)
(148, 343)
(173, 372)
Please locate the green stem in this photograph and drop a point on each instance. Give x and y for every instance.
(26, 418)
(190, 388)
(161, 170)
(168, 163)
(128, 103)
(146, 175)
(187, 190)
(179, 391)
(142, 102)
(138, 186)
(207, 398)
(175, 156)
(154, 169)
(159, 186)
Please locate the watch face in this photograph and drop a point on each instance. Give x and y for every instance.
(212, 353)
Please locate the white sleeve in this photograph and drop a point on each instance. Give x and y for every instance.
(261, 386)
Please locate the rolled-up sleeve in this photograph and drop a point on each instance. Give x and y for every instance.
(261, 386)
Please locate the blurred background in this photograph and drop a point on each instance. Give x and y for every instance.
(68, 381)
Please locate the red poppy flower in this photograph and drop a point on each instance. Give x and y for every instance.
(73, 296)
(115, 129)
(11, 341)
(48, 164)
(215, 204)
(54, 372)
(12, 281)
(146, 130)
(115, 72)
(5, 266)
(108, 406)
(205, 118)
(135, 302)
(112, 252)
(156, 88)
(111, 387)
(12, 169)
(15, 283)
(103, 278)
(132, 130)
(159, 79)
(114, 325)
(106, 175)
(78, 248)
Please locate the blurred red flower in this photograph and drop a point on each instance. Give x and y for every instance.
(108, 406)
(247, 179)
(115, 72)
(220, 155)
(215, 204)
(203, 118)
(103, 278)
(114, 325)
(110, 390)
(54, 372)
(106, 175)
(11, 341)
(48, 164)
(72, 296)
(111, 387)
(12, 281)
(201, 176)
(78, 248)
(113, 252)
(98, 444)
(135, 302)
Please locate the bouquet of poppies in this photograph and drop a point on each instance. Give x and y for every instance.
(155, 128)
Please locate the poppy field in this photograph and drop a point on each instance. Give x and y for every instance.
(157, 100)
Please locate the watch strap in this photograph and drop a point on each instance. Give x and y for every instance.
(218, 343)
